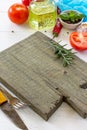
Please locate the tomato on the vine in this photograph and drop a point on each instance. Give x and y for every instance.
(26, 2)
(78, 40)
(18, 13)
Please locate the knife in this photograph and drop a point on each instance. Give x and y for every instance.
(11, 112)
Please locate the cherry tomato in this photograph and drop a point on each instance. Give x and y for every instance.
(78, 40)
(26, 2)
(18, 13)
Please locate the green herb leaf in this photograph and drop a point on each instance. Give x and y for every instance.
(66, 55)
(64, 16)
(72, 16)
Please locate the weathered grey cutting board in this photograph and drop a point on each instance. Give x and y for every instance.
(31, 71)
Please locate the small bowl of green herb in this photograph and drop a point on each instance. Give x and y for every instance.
(70, 19)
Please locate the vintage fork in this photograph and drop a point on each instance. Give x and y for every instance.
(14, 101)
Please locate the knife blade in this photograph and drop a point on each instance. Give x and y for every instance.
(11, 112)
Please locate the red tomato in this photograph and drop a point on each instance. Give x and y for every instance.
(78, 40)
(26, 2)
(18, 13)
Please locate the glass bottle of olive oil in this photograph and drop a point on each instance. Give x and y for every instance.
(42, 15)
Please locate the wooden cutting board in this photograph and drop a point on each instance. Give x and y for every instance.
(31, 71)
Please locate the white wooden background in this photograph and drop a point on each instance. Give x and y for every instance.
(65, 118)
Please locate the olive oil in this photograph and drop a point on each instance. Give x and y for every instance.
(42, 15)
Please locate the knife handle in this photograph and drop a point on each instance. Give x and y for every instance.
(3, 99)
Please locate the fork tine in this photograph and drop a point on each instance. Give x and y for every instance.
(15, 102)
(19, 104)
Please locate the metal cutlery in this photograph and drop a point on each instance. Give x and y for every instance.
(11, 112)
(14, 101)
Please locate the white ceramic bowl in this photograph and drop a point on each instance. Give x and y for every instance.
(69, 25)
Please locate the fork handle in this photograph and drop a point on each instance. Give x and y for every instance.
(7, 94)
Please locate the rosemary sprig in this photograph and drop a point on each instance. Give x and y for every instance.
(65, 54)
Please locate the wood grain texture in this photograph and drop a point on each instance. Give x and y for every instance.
(31, 70)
